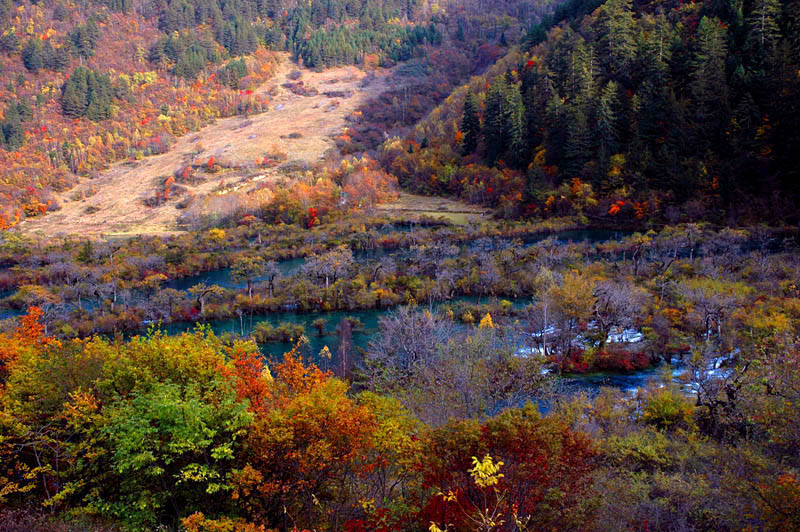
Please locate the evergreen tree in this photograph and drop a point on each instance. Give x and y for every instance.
(97, 108)
(515, 125)
(470, 125)
(60, 12)
(494, 120)
(763, 33)
(73, 103)
(578, 148)
(607, 118)
(9, 42)
(460, 36)
(33, 55)
(24, 110)
(87, 93)
(13, 134)
(617, 36)
(709, 84)
(556, 133)
(84, 38)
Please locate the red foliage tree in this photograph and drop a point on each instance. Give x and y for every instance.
(546, 472)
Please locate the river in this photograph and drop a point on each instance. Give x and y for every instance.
(369, 319)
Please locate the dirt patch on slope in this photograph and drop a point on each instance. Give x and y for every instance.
(299, 126)
(412, 206)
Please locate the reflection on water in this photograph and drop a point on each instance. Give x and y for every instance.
(222, 277)
(369, 319)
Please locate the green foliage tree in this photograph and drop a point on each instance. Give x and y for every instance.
(87, 93)
(33, 55)
(708, 86)
(246, 270)
(171, 434)
(470, 125)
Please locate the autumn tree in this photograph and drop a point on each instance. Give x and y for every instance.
(246, 270)
(546, 468)
(331, 265)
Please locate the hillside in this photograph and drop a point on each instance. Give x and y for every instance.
(297, 129)
(85, 86)
(634, 112)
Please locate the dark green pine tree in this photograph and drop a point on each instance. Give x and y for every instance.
(9, 42)
(74, 94)
(607, 134)
(515, 126)
(616, 31)
(33, 54)
(24, 110)
(494, 123)
(470, 125)
(97, 108)
(48, 55)
(460, 36)
(578, 148)
(709, 83)
(273, 37)
(73, 105)
(763, 35)
(791, 13)
(13, 134)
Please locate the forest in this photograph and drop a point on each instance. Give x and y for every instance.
(668, 111)
(546, 279)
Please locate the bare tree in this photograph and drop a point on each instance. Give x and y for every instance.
(271, 272)
(202, 293)
(330, 266)
(616, 305)
(407, 338)
(439, 373)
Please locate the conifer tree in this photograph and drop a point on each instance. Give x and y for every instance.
(494, 122)
(607, 118)
(709, 84)
(515, 125)
(763, 32)
(73, 103)
(33, 55)
(470, 125)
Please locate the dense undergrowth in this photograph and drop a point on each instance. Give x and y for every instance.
(198, 433)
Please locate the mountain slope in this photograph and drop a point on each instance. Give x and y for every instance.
(659, 111)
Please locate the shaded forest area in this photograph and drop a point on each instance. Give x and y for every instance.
(659, 111)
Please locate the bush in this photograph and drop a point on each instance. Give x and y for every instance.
(667, 408)
(620, 360)
(26, 521)
(264, 332)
